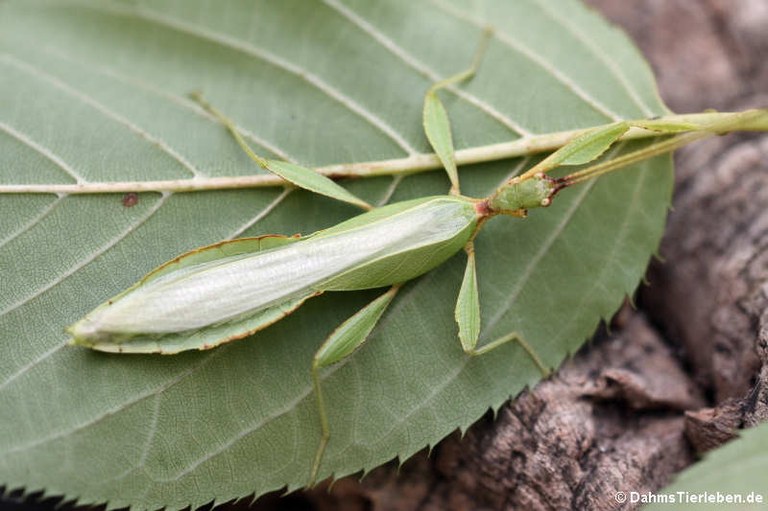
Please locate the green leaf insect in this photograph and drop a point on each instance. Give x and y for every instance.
(232, 289)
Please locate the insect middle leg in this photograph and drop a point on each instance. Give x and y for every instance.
(467, 315)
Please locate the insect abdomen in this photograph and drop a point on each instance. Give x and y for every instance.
(386, 246)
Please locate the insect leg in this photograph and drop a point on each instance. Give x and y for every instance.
(580, 150)
(342, 342)
(468, 318)
(297, 175)
(437, 126)
(467, 312)
(513, 337)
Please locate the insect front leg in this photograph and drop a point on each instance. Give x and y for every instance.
(342, 342)
(467, 315)
(297, 175)
(437, 126)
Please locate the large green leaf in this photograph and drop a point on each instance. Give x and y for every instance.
(731, 477)
(94, 91)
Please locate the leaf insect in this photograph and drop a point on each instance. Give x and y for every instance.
(232, 289)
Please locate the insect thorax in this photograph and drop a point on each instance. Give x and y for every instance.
(521, 195)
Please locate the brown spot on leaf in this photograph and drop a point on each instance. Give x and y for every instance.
(130, 199)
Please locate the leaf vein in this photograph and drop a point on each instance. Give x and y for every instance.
(39, 217)
(29, 365)
(261, 214)
(42, 150)
(174, 99)
(111, 243)
(276, 414)
(148, 441)
(117, 409)
(104, 110)
(274, 60)
(609, 63)
(540, 253)
(535, 58)
(412, 62)
(612, 255)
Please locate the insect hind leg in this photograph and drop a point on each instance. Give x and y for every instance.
(342, 342)
(516, 338)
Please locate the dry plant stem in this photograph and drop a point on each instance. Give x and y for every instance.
(521, 147)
